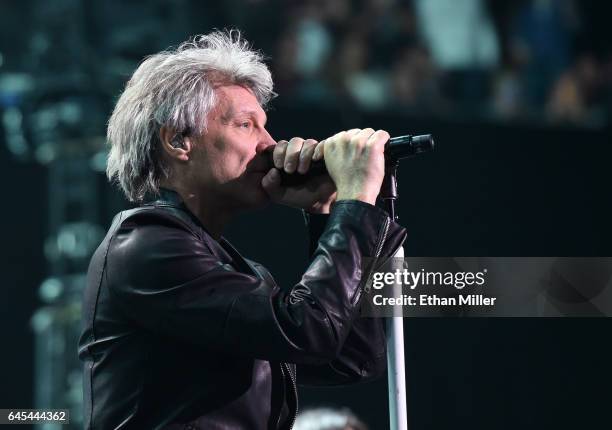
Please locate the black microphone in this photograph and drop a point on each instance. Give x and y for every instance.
(397, 148)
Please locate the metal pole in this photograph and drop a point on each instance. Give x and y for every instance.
(398, 416)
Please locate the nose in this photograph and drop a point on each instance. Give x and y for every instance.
(265, 142)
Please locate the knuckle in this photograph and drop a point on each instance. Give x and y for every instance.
(319, 149)
(357, 140)
(306, 152)
(383, 135)
(294, 148)
(352, 133)
(279, 151)
(377, 143)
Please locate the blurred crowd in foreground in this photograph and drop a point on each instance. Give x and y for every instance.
(541, 60)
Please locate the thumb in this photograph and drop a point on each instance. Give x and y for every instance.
(271, 183)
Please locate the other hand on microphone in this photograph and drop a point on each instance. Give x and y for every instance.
(296, 155)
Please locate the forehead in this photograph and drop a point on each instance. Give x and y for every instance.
(233, 99)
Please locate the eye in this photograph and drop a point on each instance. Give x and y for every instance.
(246, 124)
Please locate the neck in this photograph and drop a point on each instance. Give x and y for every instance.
(210, 211)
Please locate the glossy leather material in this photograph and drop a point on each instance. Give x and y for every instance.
(180, 331)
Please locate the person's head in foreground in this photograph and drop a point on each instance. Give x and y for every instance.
(328, 419)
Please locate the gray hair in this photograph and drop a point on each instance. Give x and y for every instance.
(176, 89)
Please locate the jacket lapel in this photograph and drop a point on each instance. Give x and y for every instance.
(241, 263)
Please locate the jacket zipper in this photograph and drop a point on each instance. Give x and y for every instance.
(278, 421)
(383, 237)
(292, 378)
(378, 250)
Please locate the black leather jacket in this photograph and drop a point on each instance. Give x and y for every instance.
(181, 332)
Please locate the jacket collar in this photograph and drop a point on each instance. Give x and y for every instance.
(222, 248)
(172, 199)
(167, 197)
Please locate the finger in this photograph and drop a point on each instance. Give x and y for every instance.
(306, 155)
(279, 153)
(340, 139)
(271, 183)
(348, 135)
(292, 156)
(319, 151)
(359, 139)
(353, 131)
(378, 138)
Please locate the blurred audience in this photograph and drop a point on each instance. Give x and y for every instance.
(503, 58)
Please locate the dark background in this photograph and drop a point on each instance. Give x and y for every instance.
(494, 186)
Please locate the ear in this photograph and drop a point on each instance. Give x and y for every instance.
(175, 145)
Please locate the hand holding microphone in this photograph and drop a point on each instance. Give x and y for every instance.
(397, 148)
(354, 159)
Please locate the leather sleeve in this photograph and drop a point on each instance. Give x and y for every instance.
(165, 279)
(363, 355)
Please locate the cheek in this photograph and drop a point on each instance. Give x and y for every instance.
(220, 168)
(237, 158)
(228, 157)
(228, 165)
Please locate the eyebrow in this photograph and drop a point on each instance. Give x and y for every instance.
(251, 113)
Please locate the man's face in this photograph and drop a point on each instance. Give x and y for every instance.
(230, 156)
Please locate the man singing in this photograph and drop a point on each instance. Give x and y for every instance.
(180, 330)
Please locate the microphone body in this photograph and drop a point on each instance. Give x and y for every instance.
(397, 148)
